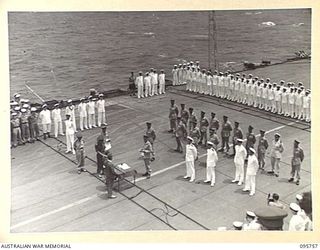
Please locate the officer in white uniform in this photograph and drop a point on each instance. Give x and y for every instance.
(82, 109)
(252, 224)
(291, 97)
(154, 83)
(284, 102)
(296, 222)
(237, 225)
(147, 85)
(57, 121)
(70, 111)
(306, 106)
(191, 156)
(139, 84)
(91, 113)
(175, 75)
(252, 169)
(299, 104)
(277, 99)
(45, 117)
(69, 134)
(101, 110)
(212, 159)
(162, 83)
(239, 158)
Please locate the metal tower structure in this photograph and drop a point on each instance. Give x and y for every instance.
(212, 42)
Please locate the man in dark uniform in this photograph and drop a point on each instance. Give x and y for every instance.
(78, 146)
(100, 148)
(184, 114)
(150, 133)
(16, 130)
(173, 113)
(214, 122)
(262, 148)
(214, 138)
(132, 85)
(33, 124)
(180, 133)
(110, 175)
(251, 139)
(25, 131)
(225, 133)
(195, 134)
(297, 158)
(204, 123)
(147, 152)
(237, 134)
(192, 119)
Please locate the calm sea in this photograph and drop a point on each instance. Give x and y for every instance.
(64, 54)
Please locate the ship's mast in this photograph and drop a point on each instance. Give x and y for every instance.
(212, 42)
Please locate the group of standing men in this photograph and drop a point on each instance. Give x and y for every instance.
(148, 85)
(288, 99)
(25, 119)
(184, 126)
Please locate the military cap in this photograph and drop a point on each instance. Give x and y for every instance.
(299, 197)
(210, 143)
(148, 123)
(14, 103)
(252, 150)
(236, 123)
(250, 75)
(240, 140)
(221, 73)
(237, 224)
(212, 129)
(180, 64)
(202, 112)
(172, 100)
(225, 117)
(250, 127)
(162, 70)
(175, 65)
(33, 109)
(256, 78)
(197, 61)
(22, 101)
(26, 100)
(108, 139)
(296, 141)
(100, 95)
(268, 79)
(94, 99)
(191, 62)
(190, 138)
(295, 88)
(17, 108)
(16, 95)
(182, 104)
(237, 74)
(243, 74)
(178, 117)
(251, 214)
(262, 131)
(212, 113)
(184, 64)
(308, 90)
(79, 135)
(300, 84)
(14, 114)
(301, 87)
(282, 81)
(56, 105)
(277, 134)
(154, 70)
(271, 217)
(25, 106)
(44, 106)
(145, 136)
(222, 229)
(294, 207)
(69, 101)
(140, 72)
(191, 109)
(82, 99)
(278, 86)
(261, 79)
(274, 84)
(23, 110)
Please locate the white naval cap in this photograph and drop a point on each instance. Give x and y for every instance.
(14, 114)
(17, 108)
(69, 101)
(190, 138)
(210, 143)
(277, 134)
(44, 105)
(23, 110)
(294, 207)
(240, 140)
(25, 106)
(14, 103)
(251, 214)
(252, 150)
(33, 109)
(237, 224)
(17, 95)
(299, 197)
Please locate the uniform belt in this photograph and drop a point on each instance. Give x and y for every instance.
(16, 127)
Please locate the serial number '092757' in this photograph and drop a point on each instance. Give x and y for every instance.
(308, 246)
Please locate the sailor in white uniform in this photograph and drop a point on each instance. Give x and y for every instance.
(236, 88)
(250, 91)
(162, 82)
(175, 75)
(57, 121)
(91, 112)
(243, 90)
(270, 98)
(147, 85)
(101, 110)
(212, 159)
(302, 213)
(215, 80)
(191, 156)
(139, 84)
(239, 158)
(154, 82)
(291, 97)
(220, 85)
(277, 99)
(299, 104)
(70, 111)
(82, 109)
(179, 74)
(45, 117)
(258, 94)
(252, 169)
(284, 102)
(69, 134)
(296, 222)
(306, 106)
(252, 224)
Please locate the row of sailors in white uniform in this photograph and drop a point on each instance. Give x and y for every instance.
(86, 110)
(180, 73)
(285, 100)
(148, 85)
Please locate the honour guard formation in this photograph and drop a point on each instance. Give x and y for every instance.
(196, 131)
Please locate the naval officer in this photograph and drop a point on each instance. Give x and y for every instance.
(252, 222)
(252, 168)
(212, 159)
(139, 84)
(239, 159)
(57, 121)
(191, 156)
(69, 134)
(45, 118)
(101, 109)
(296, 222)
(82, 109)
(173, 113)
(276, 153)
(162, 83)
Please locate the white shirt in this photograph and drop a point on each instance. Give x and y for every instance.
(259, 90)
(154, 78)
(70, 111)
(215, 79)
(306, 102)
(291, 98)
(69, 127)
(277, 95)
(270, 94)
(253, 165)
(221, 81)
(162, 78)
(240, 155)
(100, 105)
(252, 226)
(209, 80)
(56, 115)
(139, 80)
(307, 221)
(284, 98)
(275, 148)
(212, 157)
(296, 223)
(191, 152)
(147, 81)
(82, 107)
(45, 116)
(264, 92)
(91, 106)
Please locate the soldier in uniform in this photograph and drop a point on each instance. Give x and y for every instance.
(203, 129)
(16, 130)
(306, 106)
(299, 104)
(147, 85)
(262, 148)
(276, 153)
(237, 134)
(78, 146)
(214, 122)
(184, 114)
(195, 134)
(70, 111)
(132, 85)
(147, 153)
(191, 156)
(45, 117)
(252, 168)
(212, 159)
(297, 159)
(214, 138)
(225, 133)
(150, 133)
(192, 120)
(180, 133)
(162, 82)
(173, 113)
(251, 138)
(109, 174)
(284, 102)
(33, 124)
(239, 160)
(277, 98)
(24, 123)
(101, 147)
(56, 116)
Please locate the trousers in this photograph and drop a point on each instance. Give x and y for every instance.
(162, 89)
(92, 120)
(211, 174)
(239, 175)
(190, 170)
(275, 164)
(57, 128)
(250, 183)
(46, 128)
(70, 141)
(101, 118)
(16, 136)
(83, 122)
(295, 170)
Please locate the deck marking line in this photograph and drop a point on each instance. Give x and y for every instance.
(96, 195)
